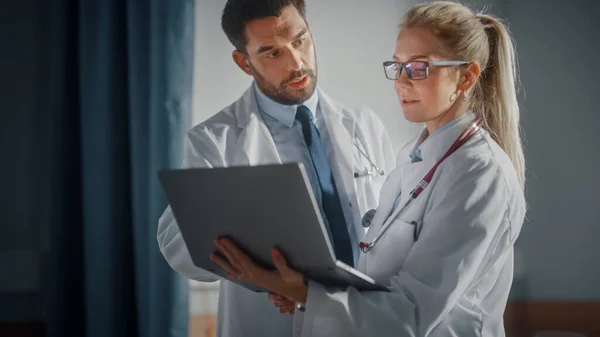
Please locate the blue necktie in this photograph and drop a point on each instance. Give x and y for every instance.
(329, 194)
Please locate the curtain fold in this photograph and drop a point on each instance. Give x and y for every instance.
(122, 109)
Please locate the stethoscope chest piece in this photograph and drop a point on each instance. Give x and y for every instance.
(367, 219)
(365, 247)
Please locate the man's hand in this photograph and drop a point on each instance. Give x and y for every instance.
(285, 281)
(283, 304)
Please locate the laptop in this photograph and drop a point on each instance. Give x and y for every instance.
(258, 207)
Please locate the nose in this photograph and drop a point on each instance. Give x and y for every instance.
(295, 60)
(403, 81)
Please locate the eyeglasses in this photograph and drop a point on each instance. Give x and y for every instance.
(415, 70)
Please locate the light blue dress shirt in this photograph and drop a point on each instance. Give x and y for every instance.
(415, 154)
(289, 141)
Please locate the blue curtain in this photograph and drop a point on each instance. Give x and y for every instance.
(121, 99)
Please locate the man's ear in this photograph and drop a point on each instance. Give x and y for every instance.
(241, 59)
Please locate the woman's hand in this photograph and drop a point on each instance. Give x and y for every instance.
(239, 266)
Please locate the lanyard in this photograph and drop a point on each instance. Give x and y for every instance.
(462, 138)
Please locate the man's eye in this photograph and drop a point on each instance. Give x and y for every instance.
(299, 42)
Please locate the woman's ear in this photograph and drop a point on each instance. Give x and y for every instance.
(469, 77)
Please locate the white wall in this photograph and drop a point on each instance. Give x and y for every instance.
(352, 38)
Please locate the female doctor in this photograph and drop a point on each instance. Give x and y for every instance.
(442, 236)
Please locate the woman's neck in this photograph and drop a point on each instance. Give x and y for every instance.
(445, 117)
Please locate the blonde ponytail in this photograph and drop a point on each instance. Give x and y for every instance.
(496, 96)
(484, 39)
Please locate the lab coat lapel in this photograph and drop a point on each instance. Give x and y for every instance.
(436, 145)
(255, 141)
(391, 188)
(402, 180)
(432, 150)
(341, 129)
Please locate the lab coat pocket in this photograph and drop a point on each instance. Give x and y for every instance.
(388, 255)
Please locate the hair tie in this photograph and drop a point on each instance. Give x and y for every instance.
(485, 20)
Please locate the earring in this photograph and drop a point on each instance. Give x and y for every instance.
(464, 96)
(453, 97)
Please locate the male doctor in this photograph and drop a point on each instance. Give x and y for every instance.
(283, 117)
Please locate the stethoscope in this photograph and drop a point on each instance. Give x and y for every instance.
(368, 217)
(372, 171)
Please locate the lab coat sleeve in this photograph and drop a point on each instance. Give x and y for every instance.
(464, 233)
(199, 151)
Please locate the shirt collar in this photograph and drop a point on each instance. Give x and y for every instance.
(432, 147)
(286, 114)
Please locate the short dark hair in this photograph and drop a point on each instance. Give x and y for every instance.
(238, 13)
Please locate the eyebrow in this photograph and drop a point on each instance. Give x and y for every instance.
(412, 58)
(267, 48)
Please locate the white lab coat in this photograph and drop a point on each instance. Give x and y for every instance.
(455, 278)
(238, 136)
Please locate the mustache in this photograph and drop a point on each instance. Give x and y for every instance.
(297, 74)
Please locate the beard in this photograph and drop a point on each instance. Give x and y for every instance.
(283, 94)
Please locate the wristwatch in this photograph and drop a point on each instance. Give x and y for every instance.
(301, 305)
